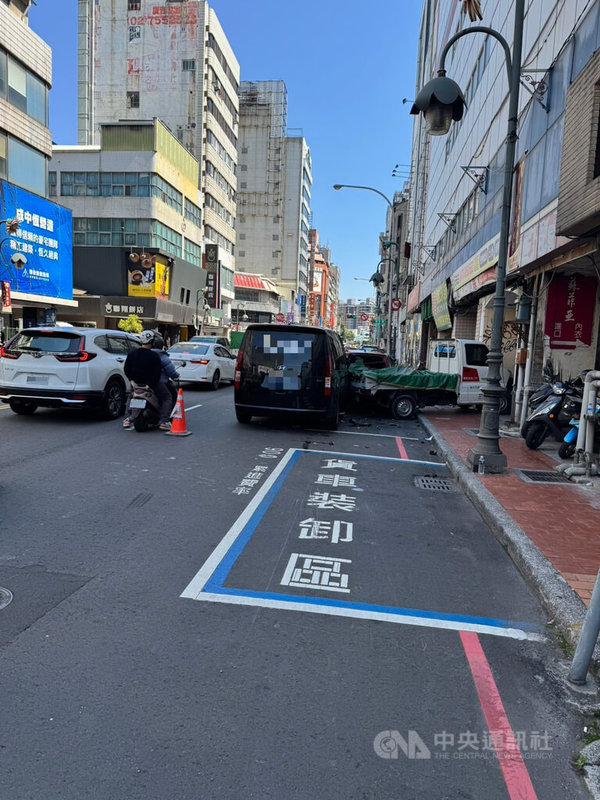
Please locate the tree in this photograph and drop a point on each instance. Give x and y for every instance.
(133, 324)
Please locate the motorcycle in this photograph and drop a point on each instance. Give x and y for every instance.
(144, 406)
(569, 442)
(551, 416)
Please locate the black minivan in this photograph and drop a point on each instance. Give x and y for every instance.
(292, 370)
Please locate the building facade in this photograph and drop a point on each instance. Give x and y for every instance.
(274, 191)
(139, 59)
(35, 257)
(552, 310)
(136, 226)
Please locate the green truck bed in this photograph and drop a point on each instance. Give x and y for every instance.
(400, 378)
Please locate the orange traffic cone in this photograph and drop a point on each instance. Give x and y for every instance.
(178, 418)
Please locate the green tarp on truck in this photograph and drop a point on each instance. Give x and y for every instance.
(403, 378)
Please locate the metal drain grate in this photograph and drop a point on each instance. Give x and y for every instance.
(434, 484)
(539, 476)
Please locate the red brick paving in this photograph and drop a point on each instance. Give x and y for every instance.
(563, 521)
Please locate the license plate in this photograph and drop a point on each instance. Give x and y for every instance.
(41, 380)
(137, 404)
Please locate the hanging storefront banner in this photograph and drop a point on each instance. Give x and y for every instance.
(412, 302)
(476, 272)
(570, 311)
(439, 307)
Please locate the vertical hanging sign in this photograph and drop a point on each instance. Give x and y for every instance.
(211, 263)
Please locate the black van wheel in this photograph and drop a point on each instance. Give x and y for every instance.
(403, 406)
(332, 418)
(242, 416)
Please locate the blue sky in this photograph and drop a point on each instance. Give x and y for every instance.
(347, 66)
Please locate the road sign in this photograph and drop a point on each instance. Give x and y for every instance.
(364, 317)
(280, 317)
(396, 304)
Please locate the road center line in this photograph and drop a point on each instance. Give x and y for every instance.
(514, 771)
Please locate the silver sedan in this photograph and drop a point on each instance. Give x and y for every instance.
(202, 362)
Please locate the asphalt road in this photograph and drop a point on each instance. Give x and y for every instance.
(263, 611)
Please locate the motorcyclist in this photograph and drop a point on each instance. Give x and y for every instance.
(143, 366)
(168, 373)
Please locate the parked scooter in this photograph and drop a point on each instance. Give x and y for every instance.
(144, 406)
(569, 442)
(551, 416)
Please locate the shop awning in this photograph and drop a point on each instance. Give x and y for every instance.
(243, 280)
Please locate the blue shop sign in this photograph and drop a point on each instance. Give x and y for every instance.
(44, 237)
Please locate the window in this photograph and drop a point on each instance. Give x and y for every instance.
(3, 69)
(244, 149)
(26, 167)
(192, 212)
(3, 154)
(192, 253)
(275, 237)
(133, 5)
(244, 168)
(242, 236)
(133, 99)
(188, 65)
(243, 185)
(17, 85)
(242, 254)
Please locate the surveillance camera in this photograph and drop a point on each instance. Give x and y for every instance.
(19, 260)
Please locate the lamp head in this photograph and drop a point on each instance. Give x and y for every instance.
(337, 186)
(376, 279)
(18, 259)
(440, 101)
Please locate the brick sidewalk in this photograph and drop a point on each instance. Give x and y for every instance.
(562, 520)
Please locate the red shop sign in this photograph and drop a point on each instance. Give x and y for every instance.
(570, 311)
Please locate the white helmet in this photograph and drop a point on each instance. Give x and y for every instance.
(147, 337)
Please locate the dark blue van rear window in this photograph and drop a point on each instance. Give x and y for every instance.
(283, 358)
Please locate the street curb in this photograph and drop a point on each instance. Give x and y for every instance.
(565, 607)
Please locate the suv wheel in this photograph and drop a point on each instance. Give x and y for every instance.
(113, 403)
(22, 406)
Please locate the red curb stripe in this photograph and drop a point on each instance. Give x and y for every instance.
(401, 448)
(514, 771)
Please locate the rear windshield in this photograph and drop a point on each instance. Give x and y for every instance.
(186, 347)
(45, 342)
(283, 357)
(476, 354)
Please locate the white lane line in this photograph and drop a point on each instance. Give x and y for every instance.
(357, 433)
(191, 408)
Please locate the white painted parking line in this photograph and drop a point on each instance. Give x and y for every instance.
(191, 408)
(358, 433)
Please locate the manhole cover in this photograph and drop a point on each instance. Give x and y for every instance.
(539, 476)
(434, 484)
(5, 597)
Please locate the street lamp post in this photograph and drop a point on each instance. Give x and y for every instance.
(199, 293)
(337, 187)
(441, 101)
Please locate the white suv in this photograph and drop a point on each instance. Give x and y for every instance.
(60, 367)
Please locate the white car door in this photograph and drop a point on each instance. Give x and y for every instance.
(225, 362)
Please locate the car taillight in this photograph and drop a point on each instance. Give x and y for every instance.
(327, 376)
(470, 374)
(4, 353)
(201, 361)
(82, 355)
(237, 376)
